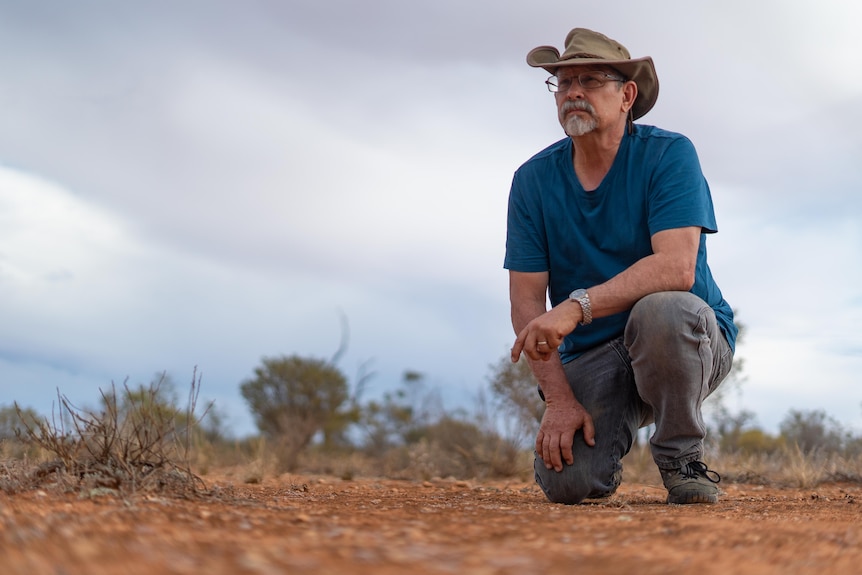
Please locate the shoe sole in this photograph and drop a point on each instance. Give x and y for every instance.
(687, 498)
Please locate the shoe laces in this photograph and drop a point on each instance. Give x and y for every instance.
(696, 469)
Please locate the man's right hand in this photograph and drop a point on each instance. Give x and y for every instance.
(557, 433)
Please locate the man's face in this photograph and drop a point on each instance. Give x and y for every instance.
(581, 109)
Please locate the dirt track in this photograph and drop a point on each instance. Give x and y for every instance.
(298, 524)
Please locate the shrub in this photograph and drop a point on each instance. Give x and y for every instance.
(140, 441)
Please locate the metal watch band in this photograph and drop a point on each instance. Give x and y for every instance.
(583, 298)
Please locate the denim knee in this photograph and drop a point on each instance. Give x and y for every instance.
(663, 313)
(575, 482)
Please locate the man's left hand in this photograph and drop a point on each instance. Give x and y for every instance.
(542, 336)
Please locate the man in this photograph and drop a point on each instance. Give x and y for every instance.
(610, 225)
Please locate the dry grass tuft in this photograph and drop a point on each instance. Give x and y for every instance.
(139, 442)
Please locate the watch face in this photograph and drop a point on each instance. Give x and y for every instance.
(578, 294)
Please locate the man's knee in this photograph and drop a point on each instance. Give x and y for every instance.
(569, 492)
(664, 304)
(575, 483)
(663, 314)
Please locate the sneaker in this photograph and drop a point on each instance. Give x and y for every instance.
(693, 483)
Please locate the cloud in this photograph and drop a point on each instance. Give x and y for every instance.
(57, 255)
(207, 183)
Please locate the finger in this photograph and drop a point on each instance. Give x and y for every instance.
(540, 349)
(543, 350)
(568, 440)
(539, 441)
(556, 459)
(546, 452)
(589, 431)
(532, 353)
(526, 343)
(518, 347)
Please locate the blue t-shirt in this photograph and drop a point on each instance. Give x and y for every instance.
(585, 238)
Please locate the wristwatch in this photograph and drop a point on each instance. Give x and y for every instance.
(582, 297)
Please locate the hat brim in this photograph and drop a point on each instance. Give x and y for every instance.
(640, 70)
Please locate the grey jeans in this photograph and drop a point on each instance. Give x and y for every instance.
(671, 357)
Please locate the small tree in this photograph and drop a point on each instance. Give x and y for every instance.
(13, 424)
(292, 399)
(398, 418)
(386, 422)
(813, 431)
(515, 397)
(14, 421)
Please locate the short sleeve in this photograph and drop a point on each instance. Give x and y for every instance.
(526, 246)
(679, 195)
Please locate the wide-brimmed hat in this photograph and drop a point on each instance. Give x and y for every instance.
(585, 47)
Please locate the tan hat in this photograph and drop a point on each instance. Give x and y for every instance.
(585, 47)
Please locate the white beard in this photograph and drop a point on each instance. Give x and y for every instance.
(576, 124)
(579, 126)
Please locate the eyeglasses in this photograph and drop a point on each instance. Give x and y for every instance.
(587, 80)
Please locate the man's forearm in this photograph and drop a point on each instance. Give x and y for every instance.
(550, 373)
(670, 268)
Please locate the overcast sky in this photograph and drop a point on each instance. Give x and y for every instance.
(207, 182)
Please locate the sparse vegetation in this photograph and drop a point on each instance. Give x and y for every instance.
(140, 440)
(293, 399)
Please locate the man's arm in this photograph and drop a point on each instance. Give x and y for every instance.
(671, 267)
(564, 415)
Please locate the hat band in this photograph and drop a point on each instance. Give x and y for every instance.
(585, 55)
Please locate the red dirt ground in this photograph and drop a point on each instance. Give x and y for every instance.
(303, 524)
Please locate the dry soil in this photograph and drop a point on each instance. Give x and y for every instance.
(306, 524)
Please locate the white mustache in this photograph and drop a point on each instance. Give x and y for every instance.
(570, 105)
